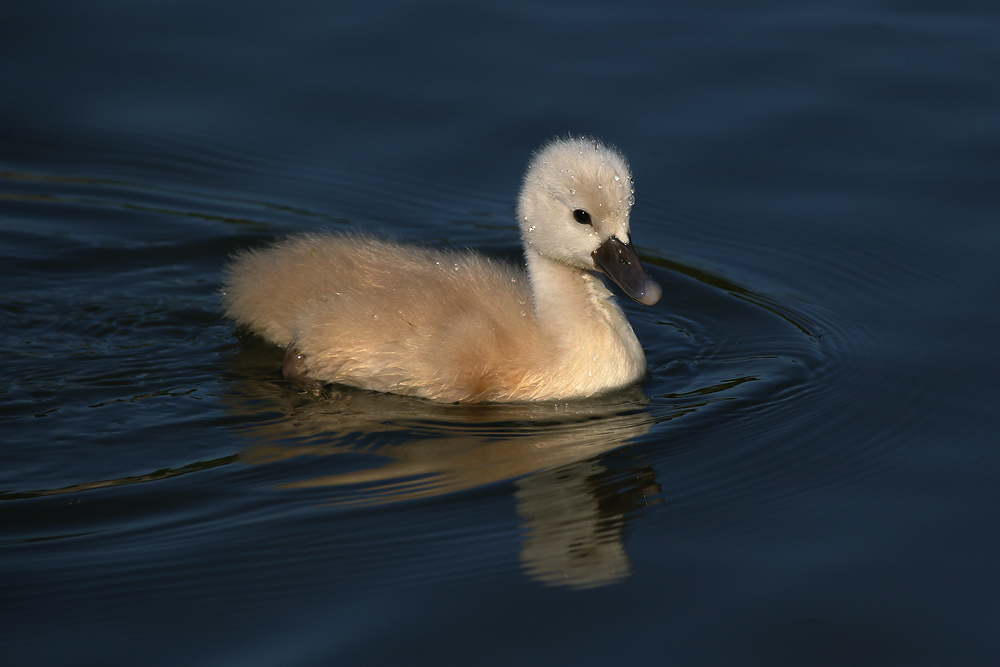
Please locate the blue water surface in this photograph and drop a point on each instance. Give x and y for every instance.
(807, 477)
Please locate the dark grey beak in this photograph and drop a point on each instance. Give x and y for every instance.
(619, 262)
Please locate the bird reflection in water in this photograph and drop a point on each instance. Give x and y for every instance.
(574, 507)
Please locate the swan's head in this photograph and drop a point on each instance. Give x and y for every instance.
(574, 208)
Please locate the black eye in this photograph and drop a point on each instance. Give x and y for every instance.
(582, 217)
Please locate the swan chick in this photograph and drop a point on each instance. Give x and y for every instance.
(451, 326)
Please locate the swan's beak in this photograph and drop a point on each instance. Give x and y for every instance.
(619, 262)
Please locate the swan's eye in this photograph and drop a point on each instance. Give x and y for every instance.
(582, 217)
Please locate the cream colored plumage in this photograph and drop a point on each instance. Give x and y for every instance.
(456, 326)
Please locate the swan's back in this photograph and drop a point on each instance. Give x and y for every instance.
(377, 314)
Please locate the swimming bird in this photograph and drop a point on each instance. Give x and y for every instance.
(452, 326)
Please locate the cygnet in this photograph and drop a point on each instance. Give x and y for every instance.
(451, 326)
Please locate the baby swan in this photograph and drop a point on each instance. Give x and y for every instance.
(456, 326)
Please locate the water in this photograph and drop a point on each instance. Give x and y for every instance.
(808, 477)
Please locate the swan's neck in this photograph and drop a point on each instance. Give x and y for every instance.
(579, 313)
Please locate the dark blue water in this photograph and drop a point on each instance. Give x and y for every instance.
(808, 477)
